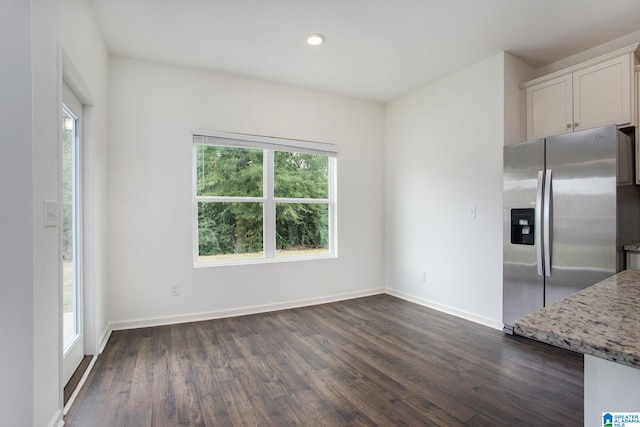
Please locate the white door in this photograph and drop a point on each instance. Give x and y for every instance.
(71, 229)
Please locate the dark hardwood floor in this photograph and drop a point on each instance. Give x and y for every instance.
(363, 362)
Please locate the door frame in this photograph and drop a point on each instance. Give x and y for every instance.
(68, 74)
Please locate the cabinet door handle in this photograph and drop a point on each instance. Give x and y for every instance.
(568, 125)
(575, 125)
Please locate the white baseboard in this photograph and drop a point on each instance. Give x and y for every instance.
(242, 311)
(104, 338)
(492, 323)
(57, 420)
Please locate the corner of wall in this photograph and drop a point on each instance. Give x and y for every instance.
(104, 338)
(516, 72)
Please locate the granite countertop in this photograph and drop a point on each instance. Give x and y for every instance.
(633, 247)
(602, 320)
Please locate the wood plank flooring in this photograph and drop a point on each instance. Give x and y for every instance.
(370, 361)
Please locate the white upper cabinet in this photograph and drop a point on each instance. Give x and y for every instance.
(596, 93)
(550, 107)
(602, 94)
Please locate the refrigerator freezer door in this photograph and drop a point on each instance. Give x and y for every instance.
(523, 290)
(583, 200)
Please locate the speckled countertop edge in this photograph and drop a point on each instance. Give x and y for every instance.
(602, 320)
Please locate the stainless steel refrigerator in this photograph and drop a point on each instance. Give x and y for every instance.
(570, 206)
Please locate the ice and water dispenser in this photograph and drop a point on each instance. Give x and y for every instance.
(522, 222)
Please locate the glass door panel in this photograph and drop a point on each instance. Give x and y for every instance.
(71, 226)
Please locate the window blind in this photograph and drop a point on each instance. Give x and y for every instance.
(228, 139)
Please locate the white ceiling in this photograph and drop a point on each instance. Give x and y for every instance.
(375, 49)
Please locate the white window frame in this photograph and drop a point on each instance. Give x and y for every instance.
(269, 145)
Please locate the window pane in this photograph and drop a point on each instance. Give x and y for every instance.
(69, 284)
(302, 229)
(298, 175)
(229, 230)
(229, 171)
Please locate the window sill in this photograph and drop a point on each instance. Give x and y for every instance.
(255, 261)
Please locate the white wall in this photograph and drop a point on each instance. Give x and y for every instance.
(153, 109)
(47, 400)
(69, 25)
(444, 153)
(16, 212)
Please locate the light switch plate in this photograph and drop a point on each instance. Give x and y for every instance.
(471, 211)
(50, 213)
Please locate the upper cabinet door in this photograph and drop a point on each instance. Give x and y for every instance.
(549, 108)
(602, 94)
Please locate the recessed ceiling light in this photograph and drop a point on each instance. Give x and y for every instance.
(315, 39)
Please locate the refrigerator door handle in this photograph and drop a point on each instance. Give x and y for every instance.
(538, 224)
(548, 223)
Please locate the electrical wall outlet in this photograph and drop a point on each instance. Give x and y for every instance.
(174, 290)
(423, 277)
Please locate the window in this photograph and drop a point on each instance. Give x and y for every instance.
(262, 199)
